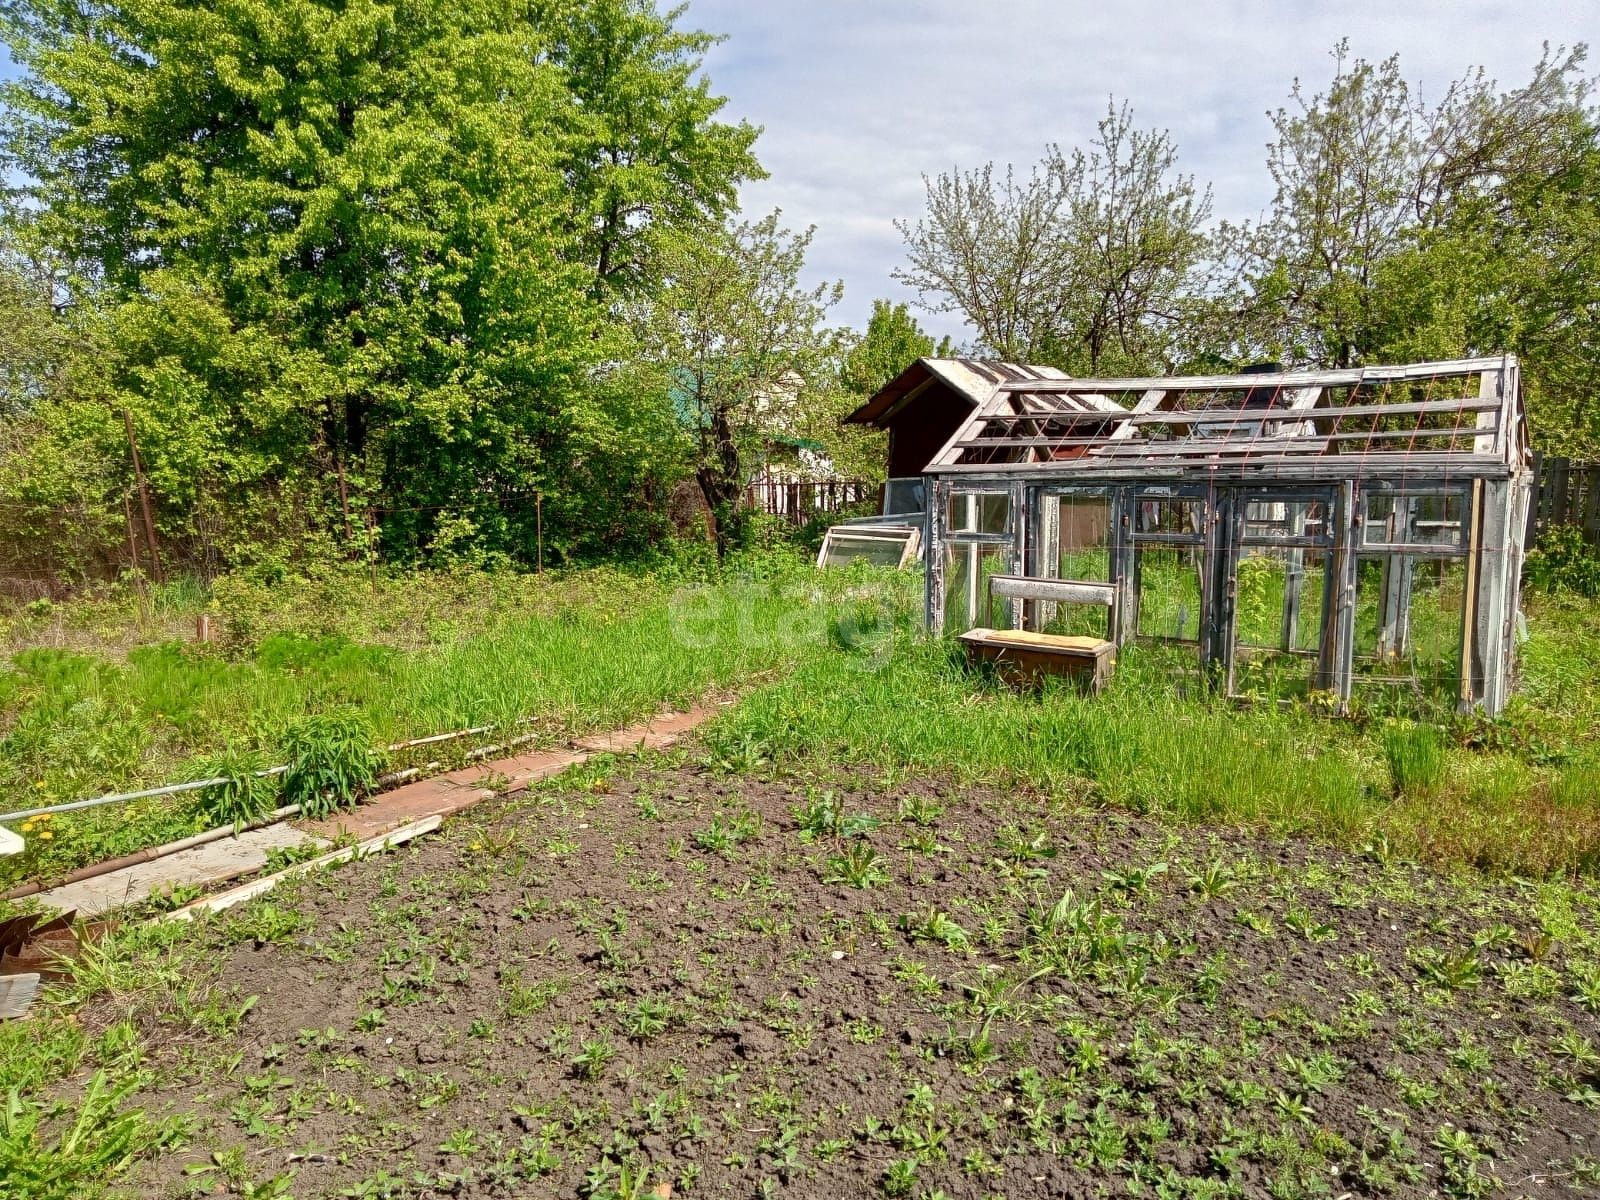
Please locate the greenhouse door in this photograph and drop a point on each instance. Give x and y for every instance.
(1270, 595)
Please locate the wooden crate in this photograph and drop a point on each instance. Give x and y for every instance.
(1028, 658)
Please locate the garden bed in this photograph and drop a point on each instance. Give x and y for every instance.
(661, 971)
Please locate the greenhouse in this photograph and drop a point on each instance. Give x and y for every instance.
(1283, 534)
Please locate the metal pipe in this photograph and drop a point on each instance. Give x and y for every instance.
(174, 789)
(150, 853)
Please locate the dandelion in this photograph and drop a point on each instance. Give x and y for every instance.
(27, 827)
(46, 836)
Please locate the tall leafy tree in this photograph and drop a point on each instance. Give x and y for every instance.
(1406, 229)
(741, 347)
(1082, 265)
(390, 213)
(893, 340)
(650, 154)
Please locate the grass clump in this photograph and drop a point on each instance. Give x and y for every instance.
(1415, 755)
(245, 796)
(45, 1161)
(332, 762)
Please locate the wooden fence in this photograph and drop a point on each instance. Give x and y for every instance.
(1568, 494)
(797, 501)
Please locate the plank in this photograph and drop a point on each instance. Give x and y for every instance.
(1333, 378)
(1021, 587)
(17, 994)
(259, 887)
(199, 865)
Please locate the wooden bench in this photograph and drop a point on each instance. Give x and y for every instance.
(1028, 657)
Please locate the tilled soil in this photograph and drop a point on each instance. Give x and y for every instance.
(640, 981)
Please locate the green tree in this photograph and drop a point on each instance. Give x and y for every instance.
(1083, 265)
(740, 346)
(650, 154)
(892, 342)
(388, 220)
(55, 478)
(1403, 230)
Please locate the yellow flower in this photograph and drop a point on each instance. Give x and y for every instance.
(39, 783)
(27, 826)
(46, 836)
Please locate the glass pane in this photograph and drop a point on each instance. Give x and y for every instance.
(1169, 591)
(1408, 624)
(1267, 521)
(885, 548)
(1166, 515)
(1083, 538)
(903, 496)
(967, 568)
(1415, 519)
(979, 512)
(1278, 622)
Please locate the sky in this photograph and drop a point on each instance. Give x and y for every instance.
(859, 99)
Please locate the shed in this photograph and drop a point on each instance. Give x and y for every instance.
(1282, 534)
(924, 405)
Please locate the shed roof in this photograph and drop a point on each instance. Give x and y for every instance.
(1463, 416)
(975, 379)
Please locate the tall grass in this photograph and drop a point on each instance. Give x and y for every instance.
(1153, 744)
(81, 724)
(1416, 760)
(1141, 744)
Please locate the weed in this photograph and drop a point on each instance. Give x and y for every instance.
(1213, 881)
(331, 761)
(1450, 971)
(648, 1016)
(593, 1057)
(244, 796)
(726, 833)
(1134, 881)
(823, 816)
(936, 925)
(102, 1140)
(920, 810)
(857, 865)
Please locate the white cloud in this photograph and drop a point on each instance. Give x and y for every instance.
(860, 98)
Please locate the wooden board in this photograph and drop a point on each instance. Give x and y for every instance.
(17, 993)
(200, 865)
(1067, 591)
(1029, 658)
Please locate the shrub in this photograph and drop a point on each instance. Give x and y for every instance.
(331, 761)
(1563, 562)
(1416, 760)
(245, 796)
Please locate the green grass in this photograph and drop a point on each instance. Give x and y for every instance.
(1510, 794)
(834, 677)
(572, 654)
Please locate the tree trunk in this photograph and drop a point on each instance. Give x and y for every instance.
(721, 480)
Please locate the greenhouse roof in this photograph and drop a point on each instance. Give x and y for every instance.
(1462, 417)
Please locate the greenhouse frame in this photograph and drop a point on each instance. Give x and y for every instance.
(1304, 534)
